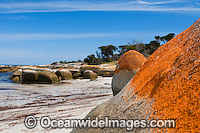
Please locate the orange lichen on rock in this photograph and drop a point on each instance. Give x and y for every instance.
(127, 67)
(167, 86)
(131, 60)
(171, 78)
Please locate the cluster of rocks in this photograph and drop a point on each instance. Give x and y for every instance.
(33, 75)
(166, 87)
(7, 68)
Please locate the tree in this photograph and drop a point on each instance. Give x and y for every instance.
(92, 60)
(98, 54)
(89, 58)
(123, 49)
(54, 63)
(166, 38)
(153, 46)
(107, 52)
(130, 46)
(157, 38)
(169, 36)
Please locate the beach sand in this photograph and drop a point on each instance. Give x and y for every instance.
(59, 101)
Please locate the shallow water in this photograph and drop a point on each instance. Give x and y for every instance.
(4, 77)
(5, 83)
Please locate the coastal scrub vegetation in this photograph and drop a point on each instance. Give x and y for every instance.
(111, 53)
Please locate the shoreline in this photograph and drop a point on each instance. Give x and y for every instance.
(66, 101)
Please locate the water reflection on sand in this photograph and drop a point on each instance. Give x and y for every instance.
(68, 101)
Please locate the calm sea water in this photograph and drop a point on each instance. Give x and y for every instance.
(4, 78)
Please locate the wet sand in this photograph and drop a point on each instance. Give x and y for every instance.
(59, 101)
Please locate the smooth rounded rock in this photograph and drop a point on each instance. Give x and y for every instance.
(127, 67)
(77, 75)
(88, 74)
(64, 74)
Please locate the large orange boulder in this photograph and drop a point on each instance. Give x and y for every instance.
(167, 86)
(126, 68)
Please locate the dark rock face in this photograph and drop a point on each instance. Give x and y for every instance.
(47, 77)
(29, 77)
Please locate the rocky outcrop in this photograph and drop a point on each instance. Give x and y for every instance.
(16, 79)
(127, 67)
(166, 87)
(64, 74)
(17, 76)
(7, 69)
(34, 77)
(94, 68)
(77, 75)
(47, 77)
(73, 71)
(68, 73)
(29, 77)
(88, 74)
(106, 72)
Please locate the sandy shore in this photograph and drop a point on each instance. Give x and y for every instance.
(59, 101)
